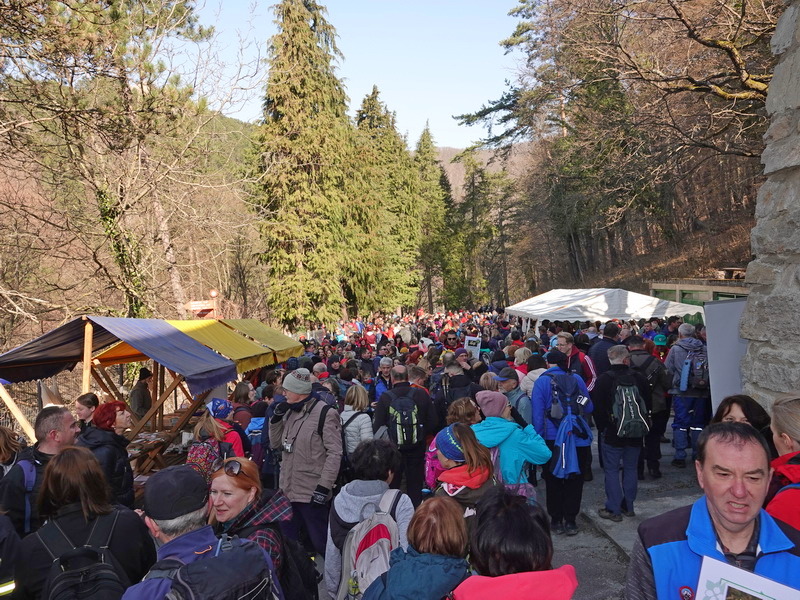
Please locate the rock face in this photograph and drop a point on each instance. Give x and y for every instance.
(771, 321)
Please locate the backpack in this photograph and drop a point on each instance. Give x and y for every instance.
(87, 572)
(565, 397)
(694, 371)
(628, 410)
(649, 369)
(237, 569)
(404, 427)
(29, 479)
(254, 434)
(298, 574)
(366, 549)
(203, 454)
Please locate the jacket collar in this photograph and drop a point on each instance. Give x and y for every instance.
(702, 538)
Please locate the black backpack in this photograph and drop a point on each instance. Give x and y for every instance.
(88, 572)
(404, 428)
(237, 569)
(298, 574)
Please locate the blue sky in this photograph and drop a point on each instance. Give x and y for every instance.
(430, 59)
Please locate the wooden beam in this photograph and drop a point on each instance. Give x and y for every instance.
(109, 381)
(14, 409)
(197, 403)
(88, 334)
(99, 381)
(138, 426)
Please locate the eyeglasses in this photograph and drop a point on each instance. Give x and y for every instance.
(232, 468)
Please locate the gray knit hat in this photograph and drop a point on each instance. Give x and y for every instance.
(298, 381)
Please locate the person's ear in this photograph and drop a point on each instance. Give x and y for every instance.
(152, 527)
(252, 495)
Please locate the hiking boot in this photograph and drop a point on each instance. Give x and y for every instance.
(655, 473)
(607, 514)
(558, 528)
(629, 513)
(679, 462)
(571, 529)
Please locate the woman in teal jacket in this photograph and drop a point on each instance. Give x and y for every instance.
(517, 444)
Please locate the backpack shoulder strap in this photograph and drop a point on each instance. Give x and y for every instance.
(29, 480)
(322, 414)
(352, 418)
(54, 540)
(389, 501)
(164, 569)
(791, 486)
(102, 530)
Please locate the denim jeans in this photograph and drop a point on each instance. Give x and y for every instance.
(690, 418)
(616, 490)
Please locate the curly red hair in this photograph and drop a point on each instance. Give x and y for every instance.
(106, 414)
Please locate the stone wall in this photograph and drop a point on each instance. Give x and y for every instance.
(771, 320)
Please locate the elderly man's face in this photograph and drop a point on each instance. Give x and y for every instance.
(735, 478)
(385, 369)
(564, 346)
(507, 385)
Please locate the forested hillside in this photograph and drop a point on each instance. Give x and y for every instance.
(626, 148)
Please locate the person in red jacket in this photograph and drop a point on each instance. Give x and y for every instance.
(512, 553)
(785, 504)
(577, 361)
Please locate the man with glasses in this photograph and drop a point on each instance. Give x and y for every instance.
(451, 341)
(577, 361)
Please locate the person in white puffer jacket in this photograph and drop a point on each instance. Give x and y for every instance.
(536, 366)
(356, 421)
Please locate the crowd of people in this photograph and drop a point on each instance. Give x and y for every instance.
(414, 445)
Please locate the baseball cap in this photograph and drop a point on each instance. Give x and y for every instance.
(173, 492)
(506, 374)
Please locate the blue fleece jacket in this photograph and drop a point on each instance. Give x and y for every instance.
(416, 576)
(541, 402)
(516, 445)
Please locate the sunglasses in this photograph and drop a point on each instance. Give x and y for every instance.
(232, 468)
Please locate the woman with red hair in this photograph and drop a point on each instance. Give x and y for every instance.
(107, 443)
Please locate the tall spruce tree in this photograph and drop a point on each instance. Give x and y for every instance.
(304, 148)
(394, 180)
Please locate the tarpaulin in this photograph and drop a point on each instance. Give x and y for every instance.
(598, 304)
(283, 346)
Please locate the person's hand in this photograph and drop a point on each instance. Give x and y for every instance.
(320, 495)
(281, 409)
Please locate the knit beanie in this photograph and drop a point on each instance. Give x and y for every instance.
(448, 445)
(298, 381)
(492, 403)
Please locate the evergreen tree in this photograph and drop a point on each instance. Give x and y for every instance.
(305, 146)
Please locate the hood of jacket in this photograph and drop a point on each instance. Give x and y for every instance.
(272, 507)
(93, 437)
(189, 546)
(787, 467)
(556, 584)
(493, 431)
(413, 575)
(460, 476)
(689, 344)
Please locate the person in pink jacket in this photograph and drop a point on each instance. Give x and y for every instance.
(512, 553)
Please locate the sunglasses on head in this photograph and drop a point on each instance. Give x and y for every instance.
(232, 468)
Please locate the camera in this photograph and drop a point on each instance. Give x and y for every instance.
(287, 447)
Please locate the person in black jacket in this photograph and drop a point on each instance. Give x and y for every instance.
(107, 443)
(74, 496)
(618, 450)
(413, 459)
(55, 428)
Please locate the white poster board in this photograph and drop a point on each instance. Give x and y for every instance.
(725, 348)
(473, 346)
(719, 580)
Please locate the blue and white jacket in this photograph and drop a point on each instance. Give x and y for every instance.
(675, 543)
(541, 401)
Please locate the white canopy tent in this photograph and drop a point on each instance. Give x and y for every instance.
(598, 304)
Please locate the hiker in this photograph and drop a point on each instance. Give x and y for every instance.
(240, 506)
(75, 499)
(85, 405)
(512, 552)
(620, 450)
(741, 408)
(356, 422)
(463, 410)
(690, 392)
(785, 504)
(109, 447)
(55, 428)
(564, 491)
(140, 398)
(408, 416)
(433, 564)
(375, 463)
(308, 433)
(727, 523)
(467, 464)
(215, 423)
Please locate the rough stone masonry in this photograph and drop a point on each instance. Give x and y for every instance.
(771, 321)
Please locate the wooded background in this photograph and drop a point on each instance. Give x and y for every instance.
(627, 148)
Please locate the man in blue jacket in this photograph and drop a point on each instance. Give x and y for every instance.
(726, 524)
(563, 494)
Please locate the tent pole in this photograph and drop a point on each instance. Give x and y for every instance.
(103, 386)
(14, 409)
(88, 331)
(98, 368)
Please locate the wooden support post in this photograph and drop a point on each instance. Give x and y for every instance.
(160, 421)
(14, 409)
(148, 463)
(109, 382)
(99, 381)
(88, 335)
(138, 426)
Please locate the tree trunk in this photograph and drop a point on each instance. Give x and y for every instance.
(178, 293)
